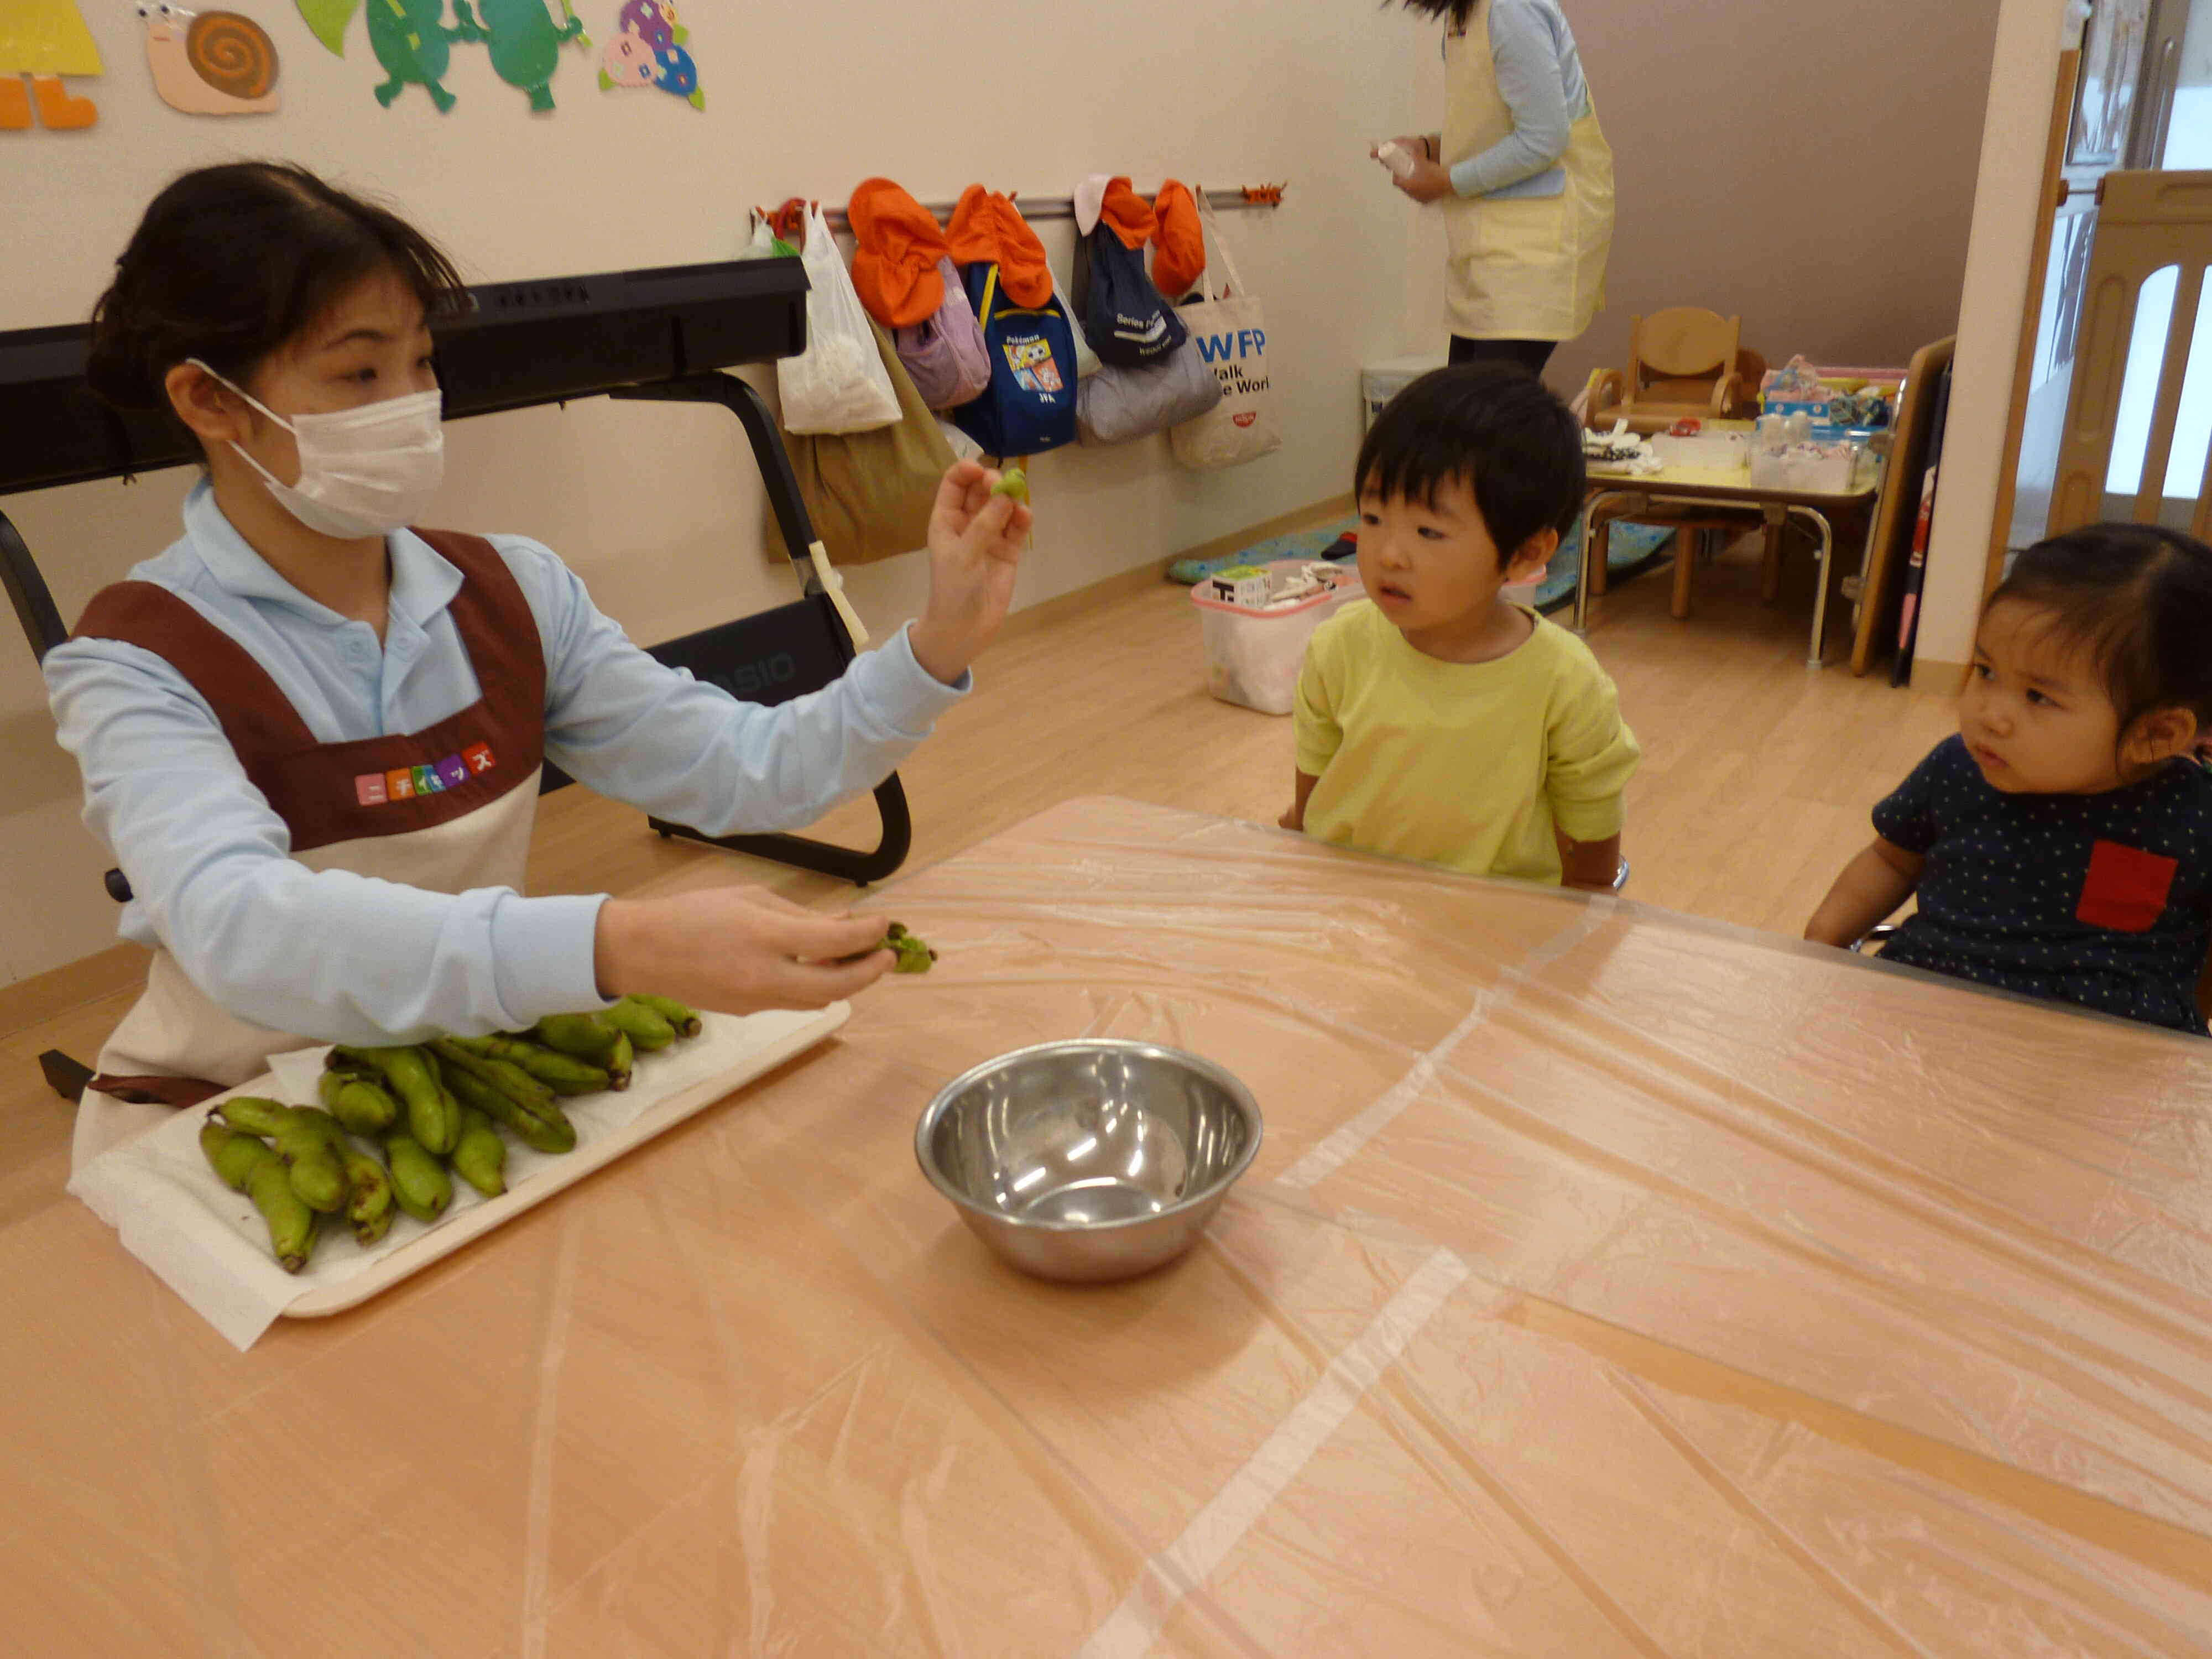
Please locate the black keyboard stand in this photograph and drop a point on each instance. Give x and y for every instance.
(783, 653)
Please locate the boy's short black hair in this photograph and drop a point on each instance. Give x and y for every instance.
(2138, 598)
(1494, 425)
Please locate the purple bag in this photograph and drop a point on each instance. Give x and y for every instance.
(946, 354)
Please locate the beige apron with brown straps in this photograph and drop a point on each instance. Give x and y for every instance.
(447, 809)
(1523, 267)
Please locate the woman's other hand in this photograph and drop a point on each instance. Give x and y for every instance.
(1427, 182)
(976, 542)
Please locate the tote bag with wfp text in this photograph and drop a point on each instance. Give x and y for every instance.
(1229, 328)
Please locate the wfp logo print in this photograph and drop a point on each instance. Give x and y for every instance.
(1239, 359)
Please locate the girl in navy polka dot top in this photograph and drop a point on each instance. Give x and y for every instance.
(2060, 844)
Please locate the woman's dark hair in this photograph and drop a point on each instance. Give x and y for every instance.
(2138, 598)
(1458, 10)
(1493, 425)
(231, 262)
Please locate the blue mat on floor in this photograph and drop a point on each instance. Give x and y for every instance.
(1635, 547)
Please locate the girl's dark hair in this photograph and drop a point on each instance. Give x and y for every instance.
(1493, 425)
(231, 262)
(2138, 598)
(1458, 10)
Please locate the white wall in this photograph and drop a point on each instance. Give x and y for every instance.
(2024, 81)
(656, 504)
(1808, 167)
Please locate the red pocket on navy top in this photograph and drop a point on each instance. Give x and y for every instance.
(2127, 889)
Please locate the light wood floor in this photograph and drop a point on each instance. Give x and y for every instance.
(1756, 783)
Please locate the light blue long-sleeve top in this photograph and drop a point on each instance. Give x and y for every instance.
(342, 958)
(1541, 74)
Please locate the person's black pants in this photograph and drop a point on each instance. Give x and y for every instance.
(1531, 354)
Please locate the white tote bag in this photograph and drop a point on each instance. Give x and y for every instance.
(838, 384)
(1230, 329)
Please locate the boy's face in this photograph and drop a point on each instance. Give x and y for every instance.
(1432, 568)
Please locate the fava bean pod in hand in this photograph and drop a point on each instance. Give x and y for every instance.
(913, 956)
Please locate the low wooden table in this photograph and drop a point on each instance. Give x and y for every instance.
(1607, 1283)
(1716, 487)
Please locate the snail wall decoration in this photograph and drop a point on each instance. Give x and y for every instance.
(210, 63)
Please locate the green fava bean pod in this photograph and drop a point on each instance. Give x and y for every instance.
(646, 1028)
(419, 1182)
(363, 1108)
(585, 1036)
(480, 1156)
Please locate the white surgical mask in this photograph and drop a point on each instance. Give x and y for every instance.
(364, 471)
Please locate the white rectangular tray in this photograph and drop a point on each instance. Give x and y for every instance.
(464, 1226)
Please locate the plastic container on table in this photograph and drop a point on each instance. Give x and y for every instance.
(1253, 657)
(1709, 452)
(1815, 467)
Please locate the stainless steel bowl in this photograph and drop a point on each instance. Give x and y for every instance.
(1088, 1160)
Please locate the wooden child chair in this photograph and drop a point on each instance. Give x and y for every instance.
(1702, 530)
(1686, 362)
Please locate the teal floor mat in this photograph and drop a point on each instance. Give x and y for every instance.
(1635, 547)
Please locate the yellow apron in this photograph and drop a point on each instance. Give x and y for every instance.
(1522, 267)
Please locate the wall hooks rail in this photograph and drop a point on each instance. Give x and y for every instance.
(784, 221)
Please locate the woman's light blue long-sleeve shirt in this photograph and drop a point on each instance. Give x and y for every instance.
(343, 958)
(1540, 72)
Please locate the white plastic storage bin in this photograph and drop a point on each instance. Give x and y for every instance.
(1253, 657)
(1708, 452)
(1822, 469)
(1380, 382)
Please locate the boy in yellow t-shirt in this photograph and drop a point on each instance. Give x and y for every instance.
(1435, 720)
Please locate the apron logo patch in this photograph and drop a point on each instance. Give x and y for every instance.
(375, 788)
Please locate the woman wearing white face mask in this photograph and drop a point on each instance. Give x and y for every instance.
(313, 735)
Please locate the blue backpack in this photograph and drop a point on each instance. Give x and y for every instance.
(1031, 406)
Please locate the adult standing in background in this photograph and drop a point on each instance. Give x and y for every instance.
(1526, 177)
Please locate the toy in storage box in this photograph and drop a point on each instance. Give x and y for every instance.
(1258, 619)
(1836, 401)
(1815, 467)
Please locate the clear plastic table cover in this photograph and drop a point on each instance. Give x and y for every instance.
(1607, 1283)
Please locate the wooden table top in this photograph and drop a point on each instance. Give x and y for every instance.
(1690, 480)
(1608, 1283)
(1723, 485)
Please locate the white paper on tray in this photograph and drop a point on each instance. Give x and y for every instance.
(209, 1245)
